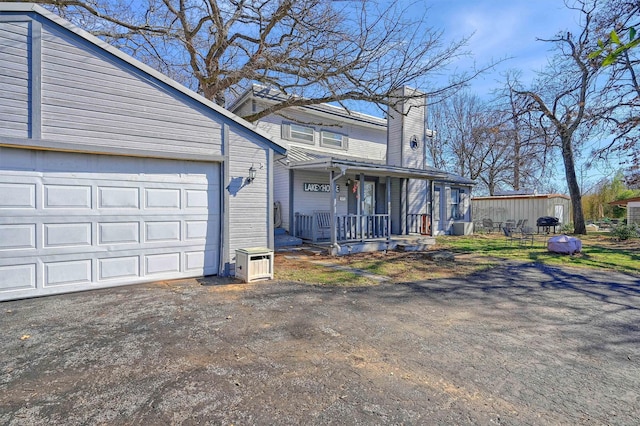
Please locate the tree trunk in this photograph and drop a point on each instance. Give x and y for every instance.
(574, 189)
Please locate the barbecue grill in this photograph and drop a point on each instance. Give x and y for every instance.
(546, 222)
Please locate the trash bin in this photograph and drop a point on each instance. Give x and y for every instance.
(254, 264)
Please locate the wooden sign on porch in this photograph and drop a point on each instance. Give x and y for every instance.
(319, 187)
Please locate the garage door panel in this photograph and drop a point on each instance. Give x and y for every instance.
(17, 236)
(17, 196)
(156, 198)
(77, 227)
(67, 234)
(118, 268)
(67, 273)
(118, 233)
(67, 197)
(162, 263)
(118, 197)
(18, 277)
(162, 231)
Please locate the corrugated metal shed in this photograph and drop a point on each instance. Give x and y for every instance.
(515, 207)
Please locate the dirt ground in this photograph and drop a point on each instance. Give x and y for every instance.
(515, 344)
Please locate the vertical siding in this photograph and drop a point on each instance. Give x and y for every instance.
(520, 208)
(414, 125)
(15, 60)
(402, 128)
(249, 204)
(91, 97)
(396, 208)
(281, 192)
(394, 139)
(417, 196)
(633, 213)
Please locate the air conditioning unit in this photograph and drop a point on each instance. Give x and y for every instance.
(253, 264)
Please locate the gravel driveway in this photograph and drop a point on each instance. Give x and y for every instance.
(519, 344)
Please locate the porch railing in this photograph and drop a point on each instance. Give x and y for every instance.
(317, 226)
(419, 223)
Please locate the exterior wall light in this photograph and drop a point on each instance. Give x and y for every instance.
(252, 174)
(348, 181)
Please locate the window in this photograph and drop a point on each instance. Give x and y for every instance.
(457, 204)
(436, 204)
(333, 140)
(298, 132)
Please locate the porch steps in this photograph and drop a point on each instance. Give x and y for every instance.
(282, 239)
(421, 244)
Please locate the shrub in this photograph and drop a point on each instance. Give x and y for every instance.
(624, 232)
(567, 228)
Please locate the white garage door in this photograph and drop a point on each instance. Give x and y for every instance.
(72, 221)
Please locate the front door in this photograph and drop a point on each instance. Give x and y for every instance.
(369, 200)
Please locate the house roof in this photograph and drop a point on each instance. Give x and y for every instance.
(522, 197)
(623, 203)
(274, 96)
(305, 159)
(34, 8)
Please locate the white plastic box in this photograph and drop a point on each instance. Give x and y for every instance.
(253, 264)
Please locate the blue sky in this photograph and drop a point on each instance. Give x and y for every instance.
(510, 29)
(501, 29)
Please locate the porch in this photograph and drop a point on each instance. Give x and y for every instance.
(349, 228)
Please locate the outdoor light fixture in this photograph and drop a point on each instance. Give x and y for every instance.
(348, 181)
(252, 174)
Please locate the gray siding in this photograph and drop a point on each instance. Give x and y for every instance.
(365, 141)
(417, 196)
(281, 192)
(396, 212)
(15, 52)
(308, 202)
(89, 97)
(249, 203)
(402, 127)
(394, 139)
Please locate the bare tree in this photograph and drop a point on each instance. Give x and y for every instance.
(530, 150)
(564, 96)
(313, 51)
(487, 142)
(619, 111)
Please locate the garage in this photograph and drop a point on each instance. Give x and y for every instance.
(72, 221)
(111, 173)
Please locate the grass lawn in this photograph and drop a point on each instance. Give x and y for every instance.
(599, 250)
(473, 253)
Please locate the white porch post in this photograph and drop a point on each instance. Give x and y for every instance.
(403, 205)
(333, 209)
(388, 208)
(431, 203)
(361, 204)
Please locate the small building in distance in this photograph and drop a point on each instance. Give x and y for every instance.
(633, 209)
(501, 208)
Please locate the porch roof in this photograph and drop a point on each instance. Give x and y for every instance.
(372, 169)
(305, 159)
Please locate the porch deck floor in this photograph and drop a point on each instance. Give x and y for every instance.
(411, 242)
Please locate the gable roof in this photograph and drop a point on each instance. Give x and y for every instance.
(623, 203)
(34, 8)
(257, 91)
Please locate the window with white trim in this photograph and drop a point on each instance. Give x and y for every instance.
(298, 133)
(457, 204)
(333, 140)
